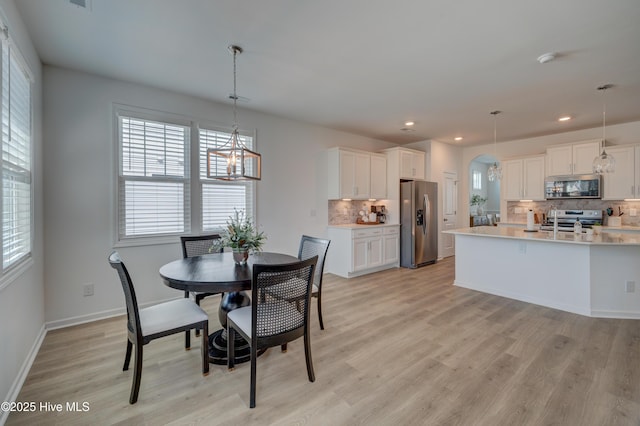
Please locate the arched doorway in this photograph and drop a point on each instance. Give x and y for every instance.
(484, 196)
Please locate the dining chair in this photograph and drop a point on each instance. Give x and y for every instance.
(197, 245)
(309, 247)
(273, 321)
(147, 324)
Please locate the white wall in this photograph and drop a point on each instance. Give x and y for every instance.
(22, 301)
(620, 134)
(80, 180)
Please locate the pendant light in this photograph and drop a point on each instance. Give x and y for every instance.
(233, 161)
(604, 163)
(495, 171)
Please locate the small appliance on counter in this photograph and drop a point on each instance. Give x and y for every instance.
(568, 218)
(381, 213)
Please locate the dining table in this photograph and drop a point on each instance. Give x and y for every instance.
(219, 273)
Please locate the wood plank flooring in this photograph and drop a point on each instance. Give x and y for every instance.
(400, 347)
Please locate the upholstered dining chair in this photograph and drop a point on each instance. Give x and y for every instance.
(147, 324)
(309, 247)
(273, 321)
(197, 245)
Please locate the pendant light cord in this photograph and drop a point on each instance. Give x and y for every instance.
(604, 115)
(495, 133)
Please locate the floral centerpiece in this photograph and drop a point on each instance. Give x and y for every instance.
(241, 236)
(478, 200)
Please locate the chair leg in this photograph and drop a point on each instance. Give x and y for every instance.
(307, 354)
(127, 356)
(320, 311)
(283, 348)
(205, 349)
(137, 375)
(187, 340)
(231, 337)
(252, 396)
(198, 299)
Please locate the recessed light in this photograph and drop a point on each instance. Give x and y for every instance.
(565, 118)
(409, 123)
(546, 57)
(458, 138)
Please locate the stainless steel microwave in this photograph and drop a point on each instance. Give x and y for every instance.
(573, 186)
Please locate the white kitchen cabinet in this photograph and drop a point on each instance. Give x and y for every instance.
(404, 163)
(623, 183)
(574, 159)
(524, 178)
(367, 249)
(360, 250)
(357, 175)
(378, 176)
(391, 244)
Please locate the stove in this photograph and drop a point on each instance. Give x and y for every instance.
(566, 219)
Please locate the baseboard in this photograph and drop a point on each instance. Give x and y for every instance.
(110, 313)
(615, 314)
(83, 319)
(24, 371)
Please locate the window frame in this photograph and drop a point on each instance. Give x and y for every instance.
(121, 240)
(17, 268)
(194, 220)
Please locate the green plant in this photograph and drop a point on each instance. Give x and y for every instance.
(240, 234)
(478, 200)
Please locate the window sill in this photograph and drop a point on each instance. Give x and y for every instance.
(15, 272)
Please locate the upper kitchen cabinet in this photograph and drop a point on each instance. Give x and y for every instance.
(378, 176)
(358, 175)
(524, 178)
(405, 163)
(625, 181)
(574, 159)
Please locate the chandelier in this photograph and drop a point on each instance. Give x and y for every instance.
(495, 171)
(233, 161)
(604, 163)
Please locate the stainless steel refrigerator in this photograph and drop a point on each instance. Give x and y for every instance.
(418, 223)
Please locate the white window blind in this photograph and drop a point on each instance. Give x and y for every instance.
(220, 198)
(477, 180)
(16, 160)
(153, 180)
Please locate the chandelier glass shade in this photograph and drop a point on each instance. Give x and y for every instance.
(234, 161)
(604, 163)
(494, 172)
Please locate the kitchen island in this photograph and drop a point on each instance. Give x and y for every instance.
(592, 275)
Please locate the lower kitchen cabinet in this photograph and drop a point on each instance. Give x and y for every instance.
(359, 250)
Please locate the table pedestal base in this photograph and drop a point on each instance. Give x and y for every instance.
(218, 348)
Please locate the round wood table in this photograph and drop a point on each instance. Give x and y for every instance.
(217, 272)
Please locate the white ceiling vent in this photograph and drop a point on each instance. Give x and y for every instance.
(84, 4)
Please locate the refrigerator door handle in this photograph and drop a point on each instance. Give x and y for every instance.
(426, 204)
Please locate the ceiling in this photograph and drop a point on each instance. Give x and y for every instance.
(367, 66)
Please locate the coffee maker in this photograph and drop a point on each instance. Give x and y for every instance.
(381, 213)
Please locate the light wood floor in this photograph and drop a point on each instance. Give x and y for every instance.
(400, 347)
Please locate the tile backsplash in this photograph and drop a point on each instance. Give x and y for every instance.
(540, 207)
(343, 212)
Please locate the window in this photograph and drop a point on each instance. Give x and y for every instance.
(220, 198)
(477, 179)
(163, 189)
(17, 206)
(153, 181)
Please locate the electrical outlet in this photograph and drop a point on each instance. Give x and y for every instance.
(633, 212)
(87, 289)
(630, 286)
(518, 210)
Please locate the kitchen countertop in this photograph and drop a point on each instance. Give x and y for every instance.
(604, 238)
(359, 226)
